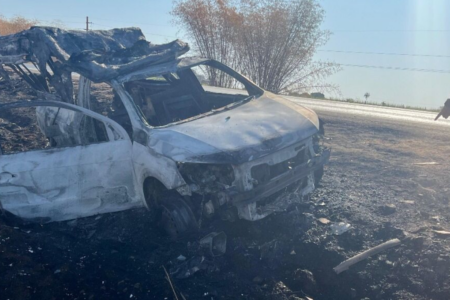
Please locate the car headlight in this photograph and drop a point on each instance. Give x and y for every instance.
(206, 174)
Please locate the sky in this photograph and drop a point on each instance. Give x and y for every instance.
(418, 28)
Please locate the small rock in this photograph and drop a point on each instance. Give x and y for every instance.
(323, 221)
(305, 279)
(387, 209)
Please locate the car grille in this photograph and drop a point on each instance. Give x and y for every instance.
(265, 172)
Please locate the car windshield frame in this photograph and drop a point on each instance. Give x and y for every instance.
(178, 65)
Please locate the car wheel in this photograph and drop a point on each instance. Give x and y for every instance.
(176, 216)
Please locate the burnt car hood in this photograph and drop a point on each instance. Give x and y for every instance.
(244, 133)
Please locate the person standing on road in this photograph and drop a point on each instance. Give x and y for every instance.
(445, 111)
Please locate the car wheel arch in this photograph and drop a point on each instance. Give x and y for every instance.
(153, 188)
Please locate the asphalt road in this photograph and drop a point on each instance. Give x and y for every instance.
(399, 114)
(370, 111)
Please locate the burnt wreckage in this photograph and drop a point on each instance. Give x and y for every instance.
(167, 141)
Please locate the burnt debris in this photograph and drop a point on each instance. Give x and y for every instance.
(45, 57)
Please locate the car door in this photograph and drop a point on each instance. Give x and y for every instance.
(81, 177)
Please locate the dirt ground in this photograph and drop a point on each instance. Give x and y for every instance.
(373, 183)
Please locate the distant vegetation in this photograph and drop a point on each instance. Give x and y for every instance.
(272, 42)
(15, 24)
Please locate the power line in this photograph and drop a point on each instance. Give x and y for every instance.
(386, 53)
(101, 25)
(157, 34)
(103, 19)
(398, 68)
(131, 22)
(394, 30)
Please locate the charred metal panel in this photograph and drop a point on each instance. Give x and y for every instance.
(264, 172)
(250, 131)
(65, 183)
(148, 163)
(36, 188)
(244, 179)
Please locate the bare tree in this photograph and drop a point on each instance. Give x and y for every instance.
(211, 24)
(271, 41)
(366, 95)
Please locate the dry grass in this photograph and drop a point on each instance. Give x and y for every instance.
(15, 24)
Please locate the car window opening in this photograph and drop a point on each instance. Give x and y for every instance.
(186, 94)
(49, 127)
(105, 101)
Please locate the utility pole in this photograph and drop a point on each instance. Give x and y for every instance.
(87, 24)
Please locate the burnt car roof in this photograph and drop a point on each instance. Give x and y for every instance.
(163, 68)
(99, 55)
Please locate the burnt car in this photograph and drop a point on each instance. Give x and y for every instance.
(164, 137)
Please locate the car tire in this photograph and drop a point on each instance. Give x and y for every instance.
(176, 216)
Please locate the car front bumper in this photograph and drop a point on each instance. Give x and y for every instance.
(247, 202)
